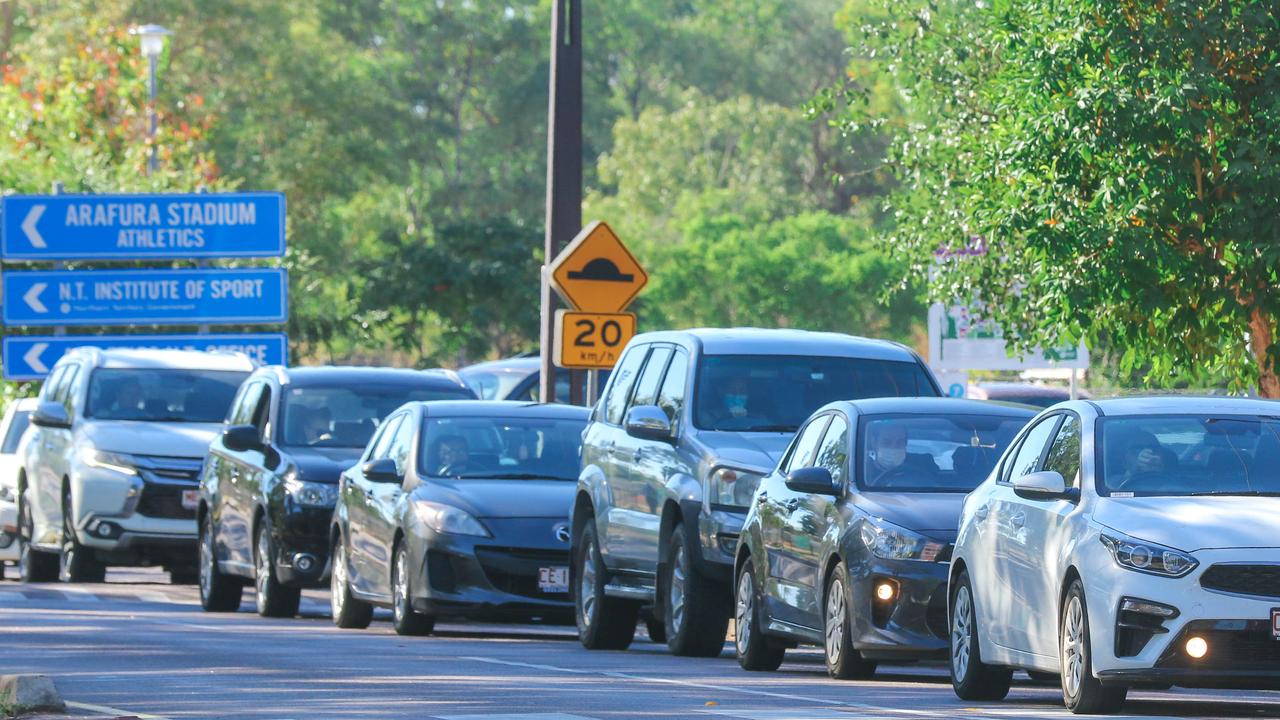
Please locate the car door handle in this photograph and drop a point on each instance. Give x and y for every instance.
(1017, 520)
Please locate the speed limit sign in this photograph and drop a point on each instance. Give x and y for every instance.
(591, 341)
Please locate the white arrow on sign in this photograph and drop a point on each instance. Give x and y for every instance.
(32, 297)
(29, 226)
(32, 357)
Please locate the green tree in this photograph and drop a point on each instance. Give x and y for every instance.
(1117, 160)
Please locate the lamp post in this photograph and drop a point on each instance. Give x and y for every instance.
(152, 46)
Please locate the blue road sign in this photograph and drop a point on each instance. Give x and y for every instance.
(142, 227)
(30, 357)
(162, 297)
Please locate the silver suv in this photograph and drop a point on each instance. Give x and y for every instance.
(110, 473)
(689, 423)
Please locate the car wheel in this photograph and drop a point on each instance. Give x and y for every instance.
(604, 623)
(76, 563)
(843, 661)
(34, 566)
(1082, 693)
(349, 612)
(755, 652)
(971, 678)
(273, 598)
(696, 609)
(219, 592)
(406, 620)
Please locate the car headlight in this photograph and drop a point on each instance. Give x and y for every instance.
(730, 486)
(115, 462)
(888, 541)
(448, 519)
(7, 494)
(311, 494)
(1148, 557)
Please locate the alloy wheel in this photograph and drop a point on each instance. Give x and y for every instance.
(402, 584)
(206, 559)
(587, 584)
(677, 588)
(961, 620)
(263, 576)
(743, 614)
(338, 579)
(26, 530)
(67, 558)
(1073, 648)
(835, 621)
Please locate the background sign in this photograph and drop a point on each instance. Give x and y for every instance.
(30, 357)
(596, 272)
(959, 339)
(122, 297)
(591, 341)
(142, 227)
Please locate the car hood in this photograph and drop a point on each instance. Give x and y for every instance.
(749, 449)
(323, 465)
(503, 498)
(9, 466)
(932, 514)
(132, 437)
(1194, 523)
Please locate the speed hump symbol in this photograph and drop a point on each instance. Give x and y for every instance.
(591, 341)
(596, 273)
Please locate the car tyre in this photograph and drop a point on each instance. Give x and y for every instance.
(971, 678)
(1082, 693)
(604, 623)
(755, 652)
(349, 612)
(76, 563)
(273, 598)
(219, 592)
(696, 609)
(844, 662)
(406, 620)
(34, 566)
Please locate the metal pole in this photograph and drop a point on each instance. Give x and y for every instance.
(564, 163)
(593, 387)
(1075, 390)
(58, 189)
(152, 61)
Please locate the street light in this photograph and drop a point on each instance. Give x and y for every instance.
(152, 45)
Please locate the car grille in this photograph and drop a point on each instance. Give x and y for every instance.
(1233, 646)
(1255, 580)
(936, 614)
(164, 479)
(515, 570)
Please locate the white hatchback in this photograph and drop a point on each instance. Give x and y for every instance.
(13, 426)
(1124, 542)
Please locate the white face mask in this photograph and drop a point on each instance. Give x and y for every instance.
(889, 458)
(737, 404)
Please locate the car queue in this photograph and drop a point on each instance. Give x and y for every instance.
(812, 487)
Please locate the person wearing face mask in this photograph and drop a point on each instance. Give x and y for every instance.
(887, 456)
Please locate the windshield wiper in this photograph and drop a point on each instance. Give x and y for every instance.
(1241, 493)
(767, 428)
(513, 476)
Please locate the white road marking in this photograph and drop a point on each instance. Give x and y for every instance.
(519, 716)
(114, 712)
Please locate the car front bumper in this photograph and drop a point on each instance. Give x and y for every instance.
(495, 577)
(912, 624)
(301, 542)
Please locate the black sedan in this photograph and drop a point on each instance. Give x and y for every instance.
(847, 542)
(459, 510)
(270, 480)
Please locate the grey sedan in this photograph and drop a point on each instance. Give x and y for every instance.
(458, 509)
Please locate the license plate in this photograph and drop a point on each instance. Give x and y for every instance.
(553, 579)
(1275, 623)
(190, 499)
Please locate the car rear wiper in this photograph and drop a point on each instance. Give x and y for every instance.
(513, 476)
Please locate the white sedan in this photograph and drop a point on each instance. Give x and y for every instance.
(1124, 542)
(12, 428)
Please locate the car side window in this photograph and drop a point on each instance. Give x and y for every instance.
(51, 383)
(386, 434)
(805, 444)
(833, 453)
(1027, 459)
(64, 389)
(624, 376)
(401, 448)
(647, 386)
(241, 412)
(1064, 454)
(261, 416)
(671, 396)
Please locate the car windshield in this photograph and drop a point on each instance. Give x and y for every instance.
(931, 453)
(161, 395)
(347, 416)
(494, 384)
(1190, 455)
(501, 448)
(776, 393)
(21, 419)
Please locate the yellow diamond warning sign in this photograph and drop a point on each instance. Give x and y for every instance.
(596, 272)
(591, 341)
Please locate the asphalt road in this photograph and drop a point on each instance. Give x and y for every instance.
(135, 646)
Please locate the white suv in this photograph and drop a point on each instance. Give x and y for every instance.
(111, 468)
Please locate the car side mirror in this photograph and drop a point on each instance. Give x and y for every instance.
(814, 481)
(51, 415)
(648, 422)
(1043, 485)
(382, 470)
(241, 438)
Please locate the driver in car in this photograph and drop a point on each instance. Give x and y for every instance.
(128, 400)
(888, 456)
(732, 392)
(452, 453)
(1142, 454)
